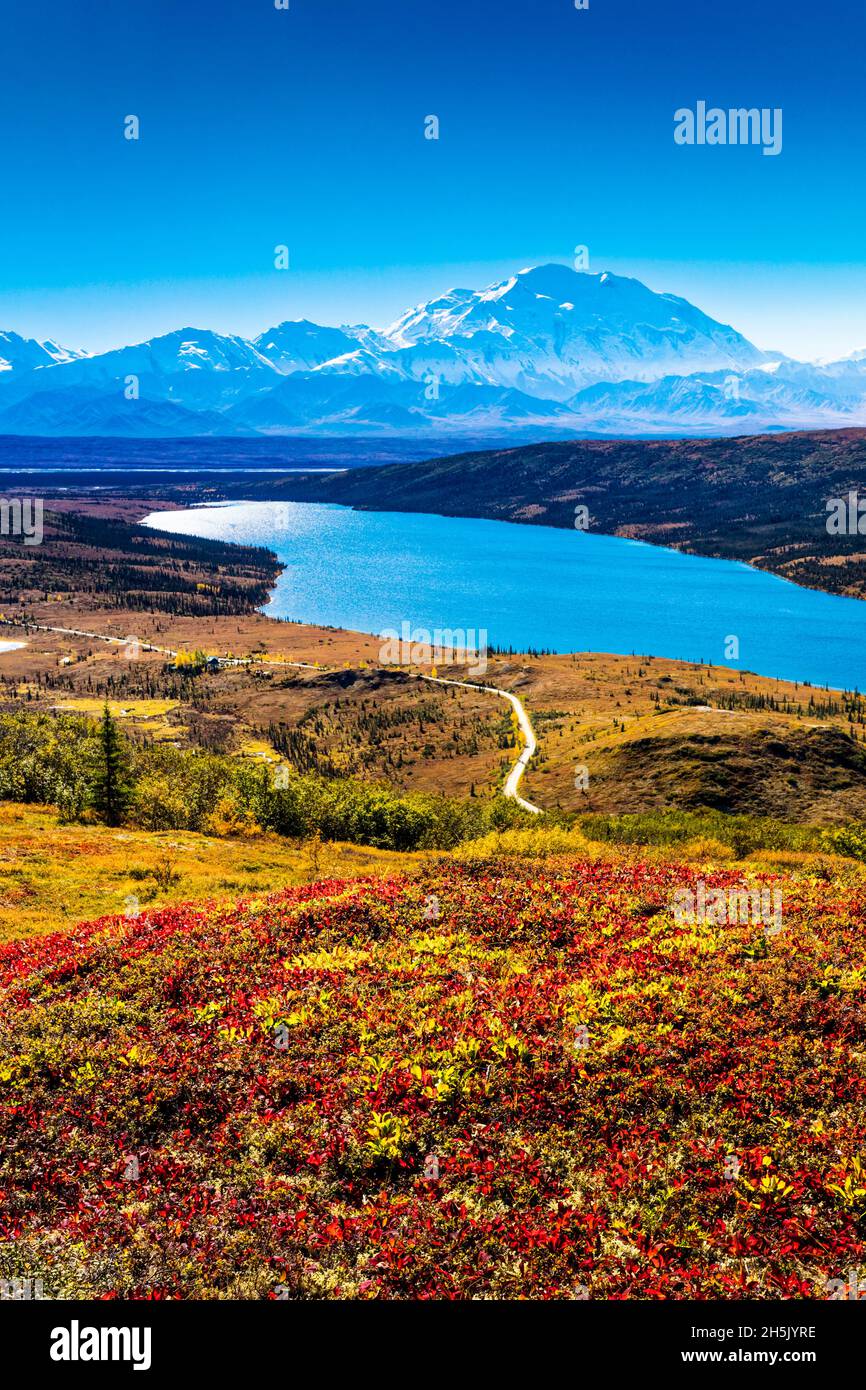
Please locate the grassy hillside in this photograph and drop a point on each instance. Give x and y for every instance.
(492, 1081)
(651, 733)
(729, 761)
(53, 876)
(267, 1066)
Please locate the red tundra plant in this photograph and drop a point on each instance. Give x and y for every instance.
(553, 1087)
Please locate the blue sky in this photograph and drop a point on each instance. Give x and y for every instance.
(305, 127)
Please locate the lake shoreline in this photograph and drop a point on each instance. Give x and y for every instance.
(512, 630)
(758, 499)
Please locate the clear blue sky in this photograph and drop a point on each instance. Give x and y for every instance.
(305, 127)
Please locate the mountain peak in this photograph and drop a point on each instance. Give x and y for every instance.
(299, 345)
(23, 354)
(552, 275)
(556, 275)
(550, 330)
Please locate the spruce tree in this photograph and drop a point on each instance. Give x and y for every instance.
(112, 787)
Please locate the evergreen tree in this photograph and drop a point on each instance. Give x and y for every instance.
(112, 783)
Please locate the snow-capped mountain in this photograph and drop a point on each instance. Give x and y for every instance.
(551, 329)
(548, 352)
(192, 367)
(714, 403)
(184, 353)
(299, 345)
(24, 354)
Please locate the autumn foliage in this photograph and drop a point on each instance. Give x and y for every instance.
(492, 1082)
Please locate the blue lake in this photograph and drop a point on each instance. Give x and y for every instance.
(533, 586)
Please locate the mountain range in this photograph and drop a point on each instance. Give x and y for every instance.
(549, 352)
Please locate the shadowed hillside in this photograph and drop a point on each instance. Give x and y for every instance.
(679, 761)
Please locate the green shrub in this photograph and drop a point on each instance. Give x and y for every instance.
(59, 760)
(743, 834)
(849, 839)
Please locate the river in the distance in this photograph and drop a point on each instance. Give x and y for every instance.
(538, 587)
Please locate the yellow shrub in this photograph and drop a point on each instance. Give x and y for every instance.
(536, 843)
(227, 818)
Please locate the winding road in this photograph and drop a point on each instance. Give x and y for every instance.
(530, 743)
(512, 782)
